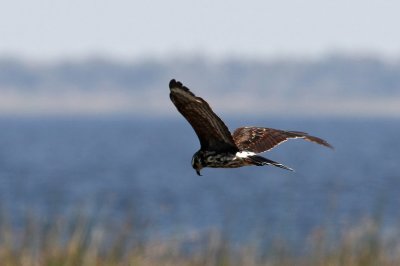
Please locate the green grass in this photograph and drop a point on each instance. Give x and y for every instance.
(81, 241)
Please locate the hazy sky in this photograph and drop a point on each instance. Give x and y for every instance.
(53, 29)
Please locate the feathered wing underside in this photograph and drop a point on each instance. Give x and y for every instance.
(211, 131)
(260, 139)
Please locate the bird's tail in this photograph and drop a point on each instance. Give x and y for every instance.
(260, 161)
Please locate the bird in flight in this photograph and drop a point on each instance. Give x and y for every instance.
(221, 149)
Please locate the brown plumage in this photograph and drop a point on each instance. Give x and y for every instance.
(220, 149)
(261, 139)
(212, 132)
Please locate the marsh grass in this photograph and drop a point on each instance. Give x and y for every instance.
(83, 241)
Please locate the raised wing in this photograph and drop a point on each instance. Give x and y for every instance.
(211, 131)
(260, 139)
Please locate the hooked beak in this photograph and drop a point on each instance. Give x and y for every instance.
(198, 172)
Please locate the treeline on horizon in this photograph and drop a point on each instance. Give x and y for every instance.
(332, 76)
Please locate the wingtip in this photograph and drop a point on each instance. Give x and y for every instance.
(318, 141)
(173, 84)
(322, 142)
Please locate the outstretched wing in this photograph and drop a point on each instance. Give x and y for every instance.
(212, 132)
(260, 139)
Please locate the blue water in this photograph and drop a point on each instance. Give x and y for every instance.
(116, 166)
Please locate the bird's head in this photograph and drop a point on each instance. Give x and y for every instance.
(197, 162)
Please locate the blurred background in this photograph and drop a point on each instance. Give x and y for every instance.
(90, 142)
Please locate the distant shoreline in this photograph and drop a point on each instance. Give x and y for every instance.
(332, 86)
